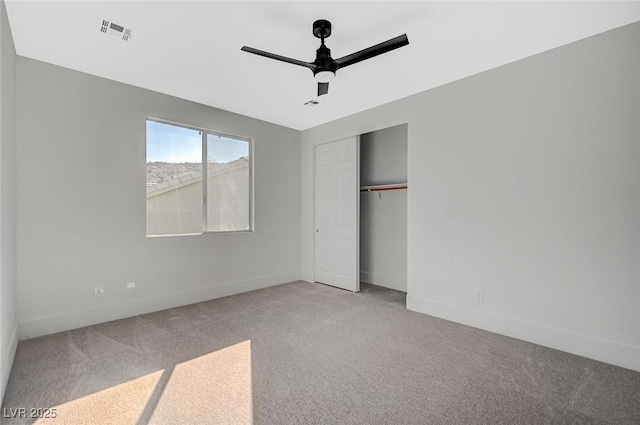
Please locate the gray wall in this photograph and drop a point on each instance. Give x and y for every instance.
(81, 205)
(383, 215)
(524, 184)
(383, 156)
(8, 290)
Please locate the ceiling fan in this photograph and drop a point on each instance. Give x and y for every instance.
(324, 67)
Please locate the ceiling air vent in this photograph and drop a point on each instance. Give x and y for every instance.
(311, 103)
(106, 26)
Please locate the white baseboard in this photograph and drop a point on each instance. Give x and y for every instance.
(8, 357)
(612, 352)
(46, 325)
(384, 281)
(307, 276)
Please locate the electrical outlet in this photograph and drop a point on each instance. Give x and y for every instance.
(98, 291)
(131, 287)
(479, 296)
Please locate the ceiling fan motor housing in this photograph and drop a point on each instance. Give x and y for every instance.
(324, 61)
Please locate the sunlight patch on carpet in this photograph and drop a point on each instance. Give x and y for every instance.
(122, 404)
(214, 389)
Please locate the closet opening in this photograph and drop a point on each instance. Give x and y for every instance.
(383, 214)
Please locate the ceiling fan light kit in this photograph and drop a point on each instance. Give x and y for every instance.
(324, 67)
(324, 76)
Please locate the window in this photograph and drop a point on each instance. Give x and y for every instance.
(186, 197)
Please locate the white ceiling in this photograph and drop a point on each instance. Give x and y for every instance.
(192, 49)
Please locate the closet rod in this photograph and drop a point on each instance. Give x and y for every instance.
(383, 187)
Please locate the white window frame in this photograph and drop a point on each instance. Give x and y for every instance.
(203, 134)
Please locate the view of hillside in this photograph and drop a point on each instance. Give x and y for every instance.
(174, 206)
(158, 172)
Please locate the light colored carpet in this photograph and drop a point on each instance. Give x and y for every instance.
(304, 353)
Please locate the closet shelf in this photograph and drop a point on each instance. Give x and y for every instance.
(379, 187)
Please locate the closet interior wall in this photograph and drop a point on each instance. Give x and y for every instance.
(383, 214)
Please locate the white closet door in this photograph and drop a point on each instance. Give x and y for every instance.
(337, 203)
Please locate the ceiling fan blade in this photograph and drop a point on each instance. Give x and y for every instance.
(278, 57)
(323, 88)
(378, 49)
